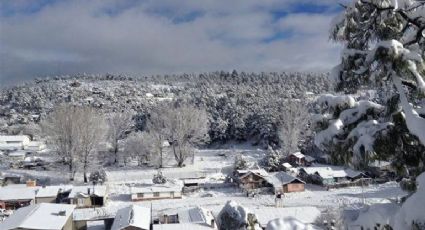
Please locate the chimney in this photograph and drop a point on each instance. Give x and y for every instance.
(31, 183)
(62, 213)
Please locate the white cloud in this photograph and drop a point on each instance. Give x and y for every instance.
(78, 36)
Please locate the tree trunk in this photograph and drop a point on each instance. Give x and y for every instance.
(160, 157)
(116, 152)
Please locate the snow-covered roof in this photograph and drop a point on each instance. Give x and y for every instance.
(281, 178)
(36, 144)
(195, 215)
(309, 158)
(298, 155)
(18, 192)
(52, 191)
(379, 164)
(328, 171)
(176, 186)
(289, 223)
(193, 181)
(44, 216)
(287, 165)
(99, 190)
(21, 138)
(181, 226)
(306, 215)
(17, 154)
(132, 216)
(260, 172)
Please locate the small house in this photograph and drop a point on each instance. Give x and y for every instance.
(88, 196)
(169, 190)
(13, 142)
(50, 194)
(17, 155)
(16, 196)
(133, 217)
(300, 159)
(35, 146)
(333, 176)
(41, 217)
(252, 179)
(285, 183)
(380, 168)
(286, 166)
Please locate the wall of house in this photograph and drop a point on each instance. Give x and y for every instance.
(150, 196)
(86, 202)
(39, 200)
(69, 225)
(295, 187)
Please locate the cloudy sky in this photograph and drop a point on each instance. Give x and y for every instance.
(51, 37)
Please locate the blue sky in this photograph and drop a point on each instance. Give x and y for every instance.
(51, 37)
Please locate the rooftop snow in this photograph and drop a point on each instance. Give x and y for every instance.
(132, 216)
(167, 187)
(181, 226)
(18, 193)
(52, 191)
(20, 138)
(195, 215)
(281, 178)
(306, 215)
(99, 190)
(298, 155)
(39, 216)
(330, 171)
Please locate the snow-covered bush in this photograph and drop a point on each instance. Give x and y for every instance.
(159, 178)
(272, 161)
(233, 217)
(240, 162)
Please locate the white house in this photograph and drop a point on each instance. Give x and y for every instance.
(17, 155)
(134, 217)
(169, 190)
(35, 146)
(9, 142)
(41, 217)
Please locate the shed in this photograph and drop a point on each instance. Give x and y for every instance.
(253, 180)
(88, 196)
(133, 217)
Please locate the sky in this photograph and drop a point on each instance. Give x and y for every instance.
(143, 37)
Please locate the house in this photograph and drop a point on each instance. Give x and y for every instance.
(285, 183)
(169, 190)
(17, 142)
(192, 218)
(88, 196)
(332, 176)
(380, 168)
(252, 179)
(35, 146)
(50, 194)
(133, 217)
(17, 196)
(306, 215)
(41, 217)
(17, 155)
(300, 159)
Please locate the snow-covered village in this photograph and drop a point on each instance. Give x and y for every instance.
(240, 115)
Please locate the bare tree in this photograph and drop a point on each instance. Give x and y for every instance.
(186, 126)
(75, 132)
(157, 131)
(119, 124)
(139, 145)
(294, 125)
(91, 130)
(182, 126)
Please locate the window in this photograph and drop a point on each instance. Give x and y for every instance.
(156, 194)
(139, 195)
